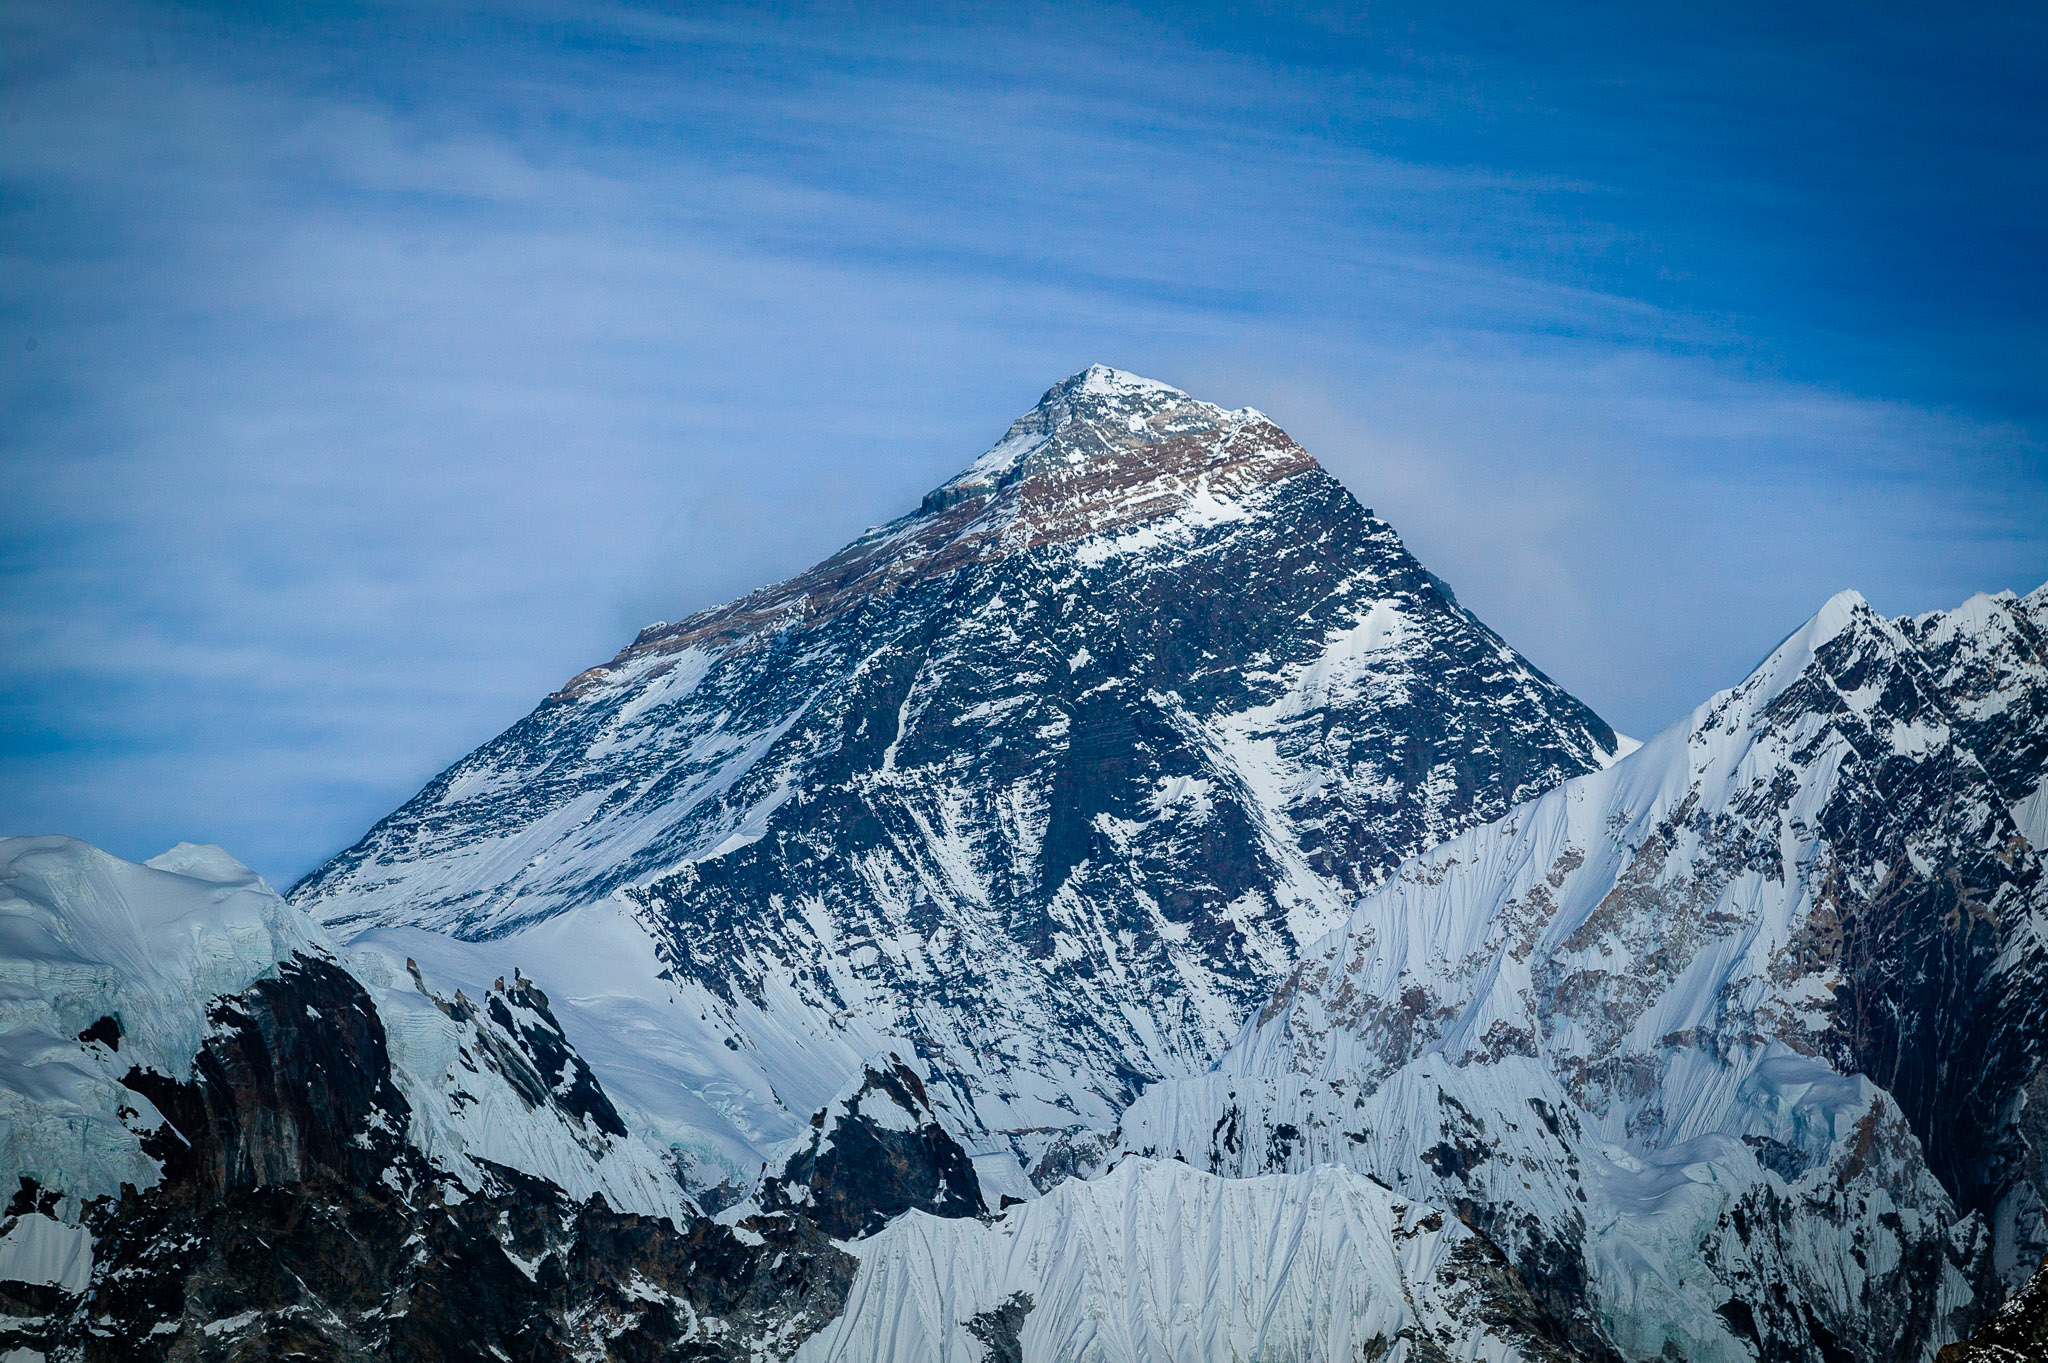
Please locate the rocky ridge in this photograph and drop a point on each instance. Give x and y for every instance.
(340, 1167)
(1733, 1047)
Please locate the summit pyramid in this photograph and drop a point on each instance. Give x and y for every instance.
(1047, 781)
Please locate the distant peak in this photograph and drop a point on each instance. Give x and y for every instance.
(1104, 449)
(203, 861)
(1983, 615)
(1846, 612)
(1835, 616)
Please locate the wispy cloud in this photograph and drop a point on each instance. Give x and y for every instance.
(393, 364)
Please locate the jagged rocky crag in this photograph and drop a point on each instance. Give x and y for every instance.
(1046, 781)
(876, 1152)
(1735, 1047)
(306, 1180)
(1990, 660)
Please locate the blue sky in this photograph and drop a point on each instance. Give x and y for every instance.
(391, 364)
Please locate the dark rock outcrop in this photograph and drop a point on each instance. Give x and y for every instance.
(293, 1219)
(2017, 1334)
(876, 1153)
(1001, 1329)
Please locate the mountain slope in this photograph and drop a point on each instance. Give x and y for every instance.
(1735, 1046)
(1159, 1262)
(1047, 781)
(1990, 658)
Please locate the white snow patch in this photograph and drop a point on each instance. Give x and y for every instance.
(44, 1251)
(1157, 1261)
(2031, 814)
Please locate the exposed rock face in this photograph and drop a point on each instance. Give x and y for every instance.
(2017, 1334)
(1046, 781)
(274, 1100)
(292, 1190)
(877, 1152)
(1736, 1046)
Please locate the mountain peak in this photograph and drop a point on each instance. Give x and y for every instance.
(1048, 778)
(1111, 405)
(1103, 455)
(1838, 613)
(1101, 381)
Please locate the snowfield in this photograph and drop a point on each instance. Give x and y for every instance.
(1156, 1261)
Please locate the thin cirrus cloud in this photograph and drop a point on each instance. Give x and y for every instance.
(394, 363)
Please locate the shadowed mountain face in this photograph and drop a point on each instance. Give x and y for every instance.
(1048, 779)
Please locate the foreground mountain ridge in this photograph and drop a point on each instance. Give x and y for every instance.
(1046, 781)
(229, 1140)
(350, 1166)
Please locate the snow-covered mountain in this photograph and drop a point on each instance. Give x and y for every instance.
(232, 1140)
(851, 972)
(1733, 1047)
(1990, 656)
(1046, 782)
